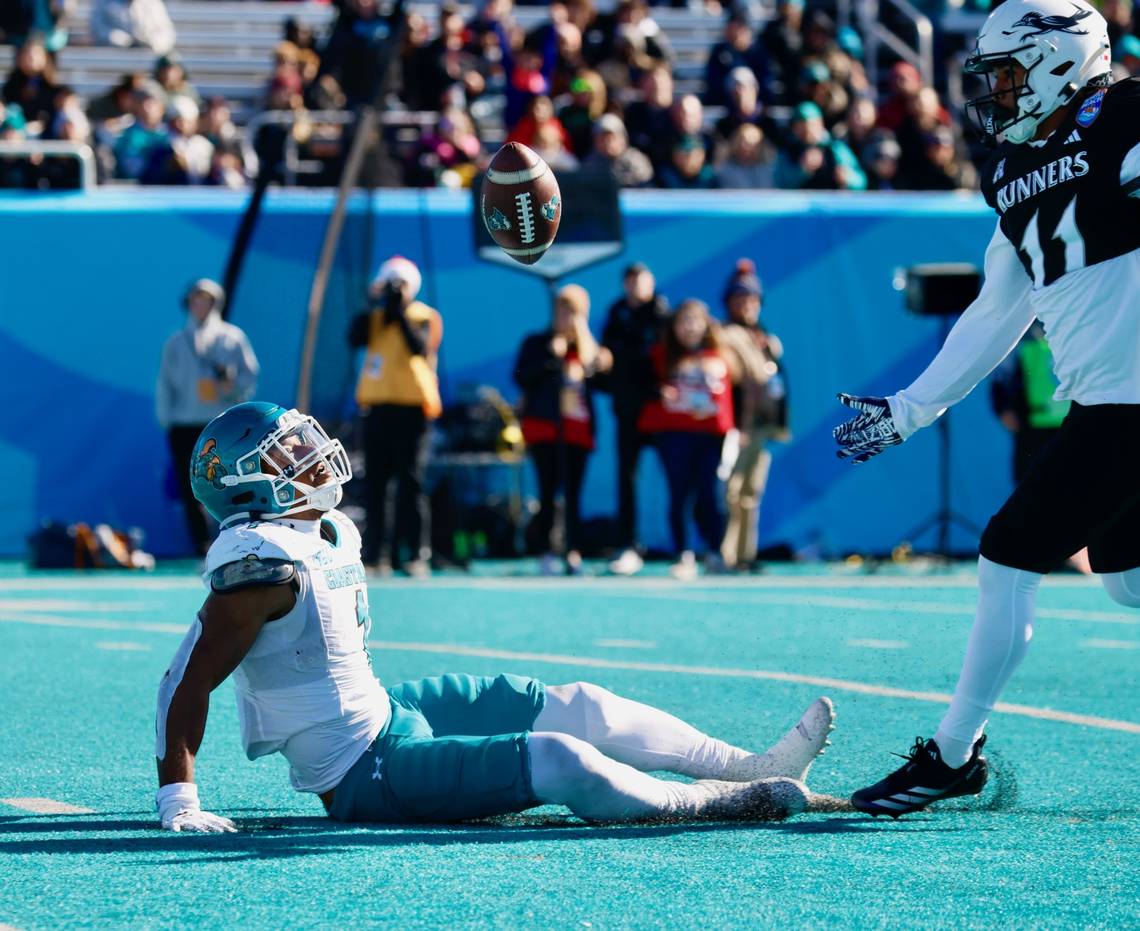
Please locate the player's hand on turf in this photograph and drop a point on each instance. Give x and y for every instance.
(200, 822)
(869, 432)
(179, 810)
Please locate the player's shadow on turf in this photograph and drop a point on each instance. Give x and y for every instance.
(96, 821)
(298, 836)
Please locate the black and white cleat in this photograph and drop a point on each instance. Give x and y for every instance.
(923, 780)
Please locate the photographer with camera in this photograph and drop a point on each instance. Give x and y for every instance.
(398, 395)
(207, 367)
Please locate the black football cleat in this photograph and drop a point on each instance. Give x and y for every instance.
(923, 779)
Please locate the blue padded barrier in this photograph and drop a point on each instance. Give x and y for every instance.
(93, 284)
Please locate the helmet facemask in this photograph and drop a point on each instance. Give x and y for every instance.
(297, 447)
(1060, 45)
(1012, 112)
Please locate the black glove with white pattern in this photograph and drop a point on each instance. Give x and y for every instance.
(868, 433)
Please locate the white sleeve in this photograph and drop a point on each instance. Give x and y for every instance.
(984, 335)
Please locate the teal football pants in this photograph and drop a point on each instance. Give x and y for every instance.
(454, 749)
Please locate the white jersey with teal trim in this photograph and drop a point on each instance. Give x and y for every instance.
(306, 688)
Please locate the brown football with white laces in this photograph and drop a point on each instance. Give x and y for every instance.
(521, 203)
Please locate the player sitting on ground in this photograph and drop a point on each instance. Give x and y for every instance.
(287, 614)
(1065, 182)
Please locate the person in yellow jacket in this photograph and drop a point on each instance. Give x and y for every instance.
(398, 395)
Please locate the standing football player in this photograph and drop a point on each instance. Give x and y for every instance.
(288, 616)
(1064, 181)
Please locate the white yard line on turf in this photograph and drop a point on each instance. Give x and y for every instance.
(844, 685)
(88, 583)
(1111, 644)
(60, 604)
(126, 646)
(868, 604)
(714, 583)
(46, 806)
(81, 623)
(758, 598)
(452, 649)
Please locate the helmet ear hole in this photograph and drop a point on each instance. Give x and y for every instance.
(244, 498)
(1062, 68)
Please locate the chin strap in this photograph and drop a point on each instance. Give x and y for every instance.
(323, 498)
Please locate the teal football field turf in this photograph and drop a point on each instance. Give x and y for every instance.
(1053, 842)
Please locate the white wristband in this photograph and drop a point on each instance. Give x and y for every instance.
(176, 797)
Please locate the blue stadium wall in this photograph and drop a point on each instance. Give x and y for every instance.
(92, 288)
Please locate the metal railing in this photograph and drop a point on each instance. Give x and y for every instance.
(77, 150)
(876, 36)
(292, 163)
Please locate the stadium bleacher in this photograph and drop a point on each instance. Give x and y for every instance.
(227, 47)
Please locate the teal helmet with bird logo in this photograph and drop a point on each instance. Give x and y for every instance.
(251, 462)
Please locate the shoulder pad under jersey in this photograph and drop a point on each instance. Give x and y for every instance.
(251, 571)
(262, 540)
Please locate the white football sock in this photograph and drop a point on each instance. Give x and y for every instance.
(1123, 587)
(998, 643)
(793, 754)
(568, 771)
(646, 738)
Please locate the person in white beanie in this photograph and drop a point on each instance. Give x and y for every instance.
(398, 395)
(207, 366)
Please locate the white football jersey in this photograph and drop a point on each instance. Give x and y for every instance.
(306, 688)
(1066, 251)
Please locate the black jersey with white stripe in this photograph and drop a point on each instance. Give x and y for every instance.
(1065, 251)
(1074, 200)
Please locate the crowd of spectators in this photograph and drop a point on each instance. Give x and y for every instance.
(707, 396)
(150, 128)
(786, 103)
(706, 391)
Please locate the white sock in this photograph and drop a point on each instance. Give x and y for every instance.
(568, 771)
(998, 643)
(641, 736)
(793, 754)
(1123, 587)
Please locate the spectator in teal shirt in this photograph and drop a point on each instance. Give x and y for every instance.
(689, 167)
(813, 160)
(134, 147)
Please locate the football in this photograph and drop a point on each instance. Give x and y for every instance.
(521, 203)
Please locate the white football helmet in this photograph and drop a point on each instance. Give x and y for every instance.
(1062, 45)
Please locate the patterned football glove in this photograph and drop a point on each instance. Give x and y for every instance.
(868, 433)
(179, 810)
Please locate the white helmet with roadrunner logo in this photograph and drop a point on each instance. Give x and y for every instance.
(1062, 45)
